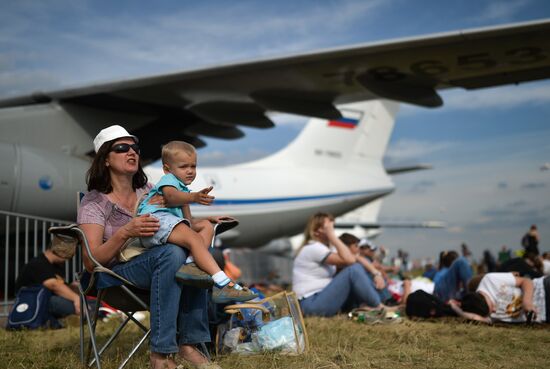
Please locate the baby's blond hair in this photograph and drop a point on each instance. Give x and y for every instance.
(172, 147)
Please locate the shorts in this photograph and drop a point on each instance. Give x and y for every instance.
(167, 223)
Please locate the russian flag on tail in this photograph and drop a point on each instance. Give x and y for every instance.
(349, 121)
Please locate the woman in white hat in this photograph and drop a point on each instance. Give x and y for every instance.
(116, 181)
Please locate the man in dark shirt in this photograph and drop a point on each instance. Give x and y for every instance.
(47, 269)
(530, 240)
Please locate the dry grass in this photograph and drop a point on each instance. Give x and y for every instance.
(334, 343)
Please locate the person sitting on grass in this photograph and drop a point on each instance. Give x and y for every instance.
(506, 297)
(364, 248)
(319, 289)
(368, 249)
(179, 162)
(47, 269)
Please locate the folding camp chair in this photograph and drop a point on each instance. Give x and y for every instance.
(113, 289)
(108, 287)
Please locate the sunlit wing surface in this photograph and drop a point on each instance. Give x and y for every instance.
(376, 225)
(215, 101)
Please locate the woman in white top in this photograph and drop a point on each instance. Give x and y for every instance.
(319, 290)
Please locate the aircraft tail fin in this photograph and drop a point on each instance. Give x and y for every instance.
(360, 136)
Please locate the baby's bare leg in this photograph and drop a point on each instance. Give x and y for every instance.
(206, 230)
(184, 236)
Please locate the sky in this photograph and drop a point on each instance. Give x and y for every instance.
(486, 146)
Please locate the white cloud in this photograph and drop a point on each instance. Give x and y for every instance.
(124, 45)
(221, 158)
(500, 10)
(12, 83)
(504, 97)
(282, 119)
(211, 35)
(406, 149)
(499, 97)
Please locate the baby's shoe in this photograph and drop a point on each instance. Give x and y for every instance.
(231, 292)
(191, 275)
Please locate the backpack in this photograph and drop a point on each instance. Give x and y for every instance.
(30, 309)
(425, 305)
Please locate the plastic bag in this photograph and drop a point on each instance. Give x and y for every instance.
(277, 335)
(274, 323)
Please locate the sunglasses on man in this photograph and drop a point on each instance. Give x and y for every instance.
(124, 147)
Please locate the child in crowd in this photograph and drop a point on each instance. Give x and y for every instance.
(179, 162)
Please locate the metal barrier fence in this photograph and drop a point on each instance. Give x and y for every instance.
(23, 238)
(257, 266)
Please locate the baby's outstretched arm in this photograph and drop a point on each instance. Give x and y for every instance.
(174, 198)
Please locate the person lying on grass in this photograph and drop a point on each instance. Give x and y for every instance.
(505, 297)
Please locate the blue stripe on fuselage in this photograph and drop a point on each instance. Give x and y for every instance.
(299, 198)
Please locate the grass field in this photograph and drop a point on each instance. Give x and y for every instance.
(334, 343)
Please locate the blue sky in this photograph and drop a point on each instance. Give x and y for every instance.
(486, 146)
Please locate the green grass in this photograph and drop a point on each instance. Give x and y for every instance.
(334, 343)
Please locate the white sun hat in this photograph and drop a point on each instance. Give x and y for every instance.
(111, 133)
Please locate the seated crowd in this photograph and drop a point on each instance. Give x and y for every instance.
(331, 274)
(330, 278)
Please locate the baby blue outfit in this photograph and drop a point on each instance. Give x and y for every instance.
(168, 217)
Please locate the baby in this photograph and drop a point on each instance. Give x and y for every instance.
(179, 162)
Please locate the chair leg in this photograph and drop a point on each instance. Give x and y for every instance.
(93, 325)
(112, 338)
(91, 328)
(137, 322)
(205, 351)
(134, 350)
(129, 317)
(82, 314)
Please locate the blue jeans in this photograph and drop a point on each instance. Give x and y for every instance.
(60, 307)
(352, 283)
(179, 314)
(458, 274)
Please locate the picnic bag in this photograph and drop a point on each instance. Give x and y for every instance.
(274, 323)
(30, 309)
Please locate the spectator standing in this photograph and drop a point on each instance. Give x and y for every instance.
(504, 255)
(466, 253)
(546, 263)
(530, 240)
(489, 262)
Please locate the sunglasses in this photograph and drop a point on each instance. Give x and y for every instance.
(124, 147)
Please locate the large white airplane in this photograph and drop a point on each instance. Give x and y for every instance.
(334, 165)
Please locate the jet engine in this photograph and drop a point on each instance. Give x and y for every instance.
(40, 182)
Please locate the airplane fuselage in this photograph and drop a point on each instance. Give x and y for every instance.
(290, 199)
(326, 168)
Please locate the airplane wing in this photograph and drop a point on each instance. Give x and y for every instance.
(215, 101)
(408, 168)
(376, 225)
